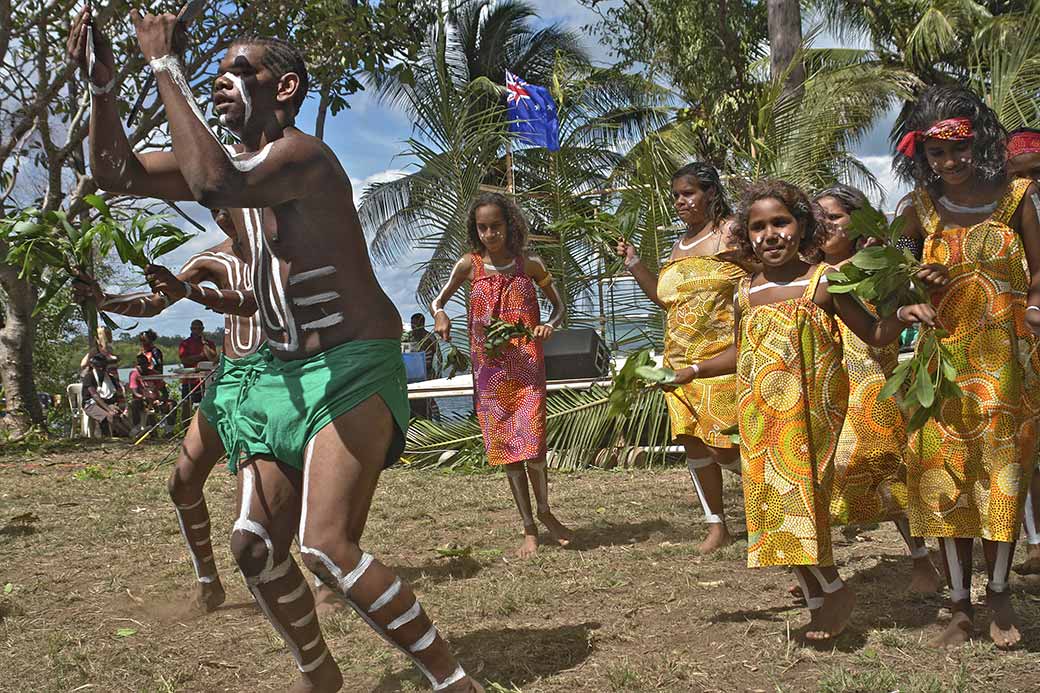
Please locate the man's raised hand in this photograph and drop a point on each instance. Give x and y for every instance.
(159, 35)
(104, 61)
(163, 281)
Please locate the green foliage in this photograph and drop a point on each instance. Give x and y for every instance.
(455, 360)
(138, 238)
(501, 333)
(930, 377)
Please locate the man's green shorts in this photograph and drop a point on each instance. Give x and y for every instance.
(262, 405)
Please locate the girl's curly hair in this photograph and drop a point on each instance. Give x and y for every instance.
(848, 197)
(940, 103)
(708, 179)
(516, 224)
(808, 215)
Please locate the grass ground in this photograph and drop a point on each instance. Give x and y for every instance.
(93, 576)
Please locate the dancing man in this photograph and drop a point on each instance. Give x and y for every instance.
(323, 408)
(226, 266)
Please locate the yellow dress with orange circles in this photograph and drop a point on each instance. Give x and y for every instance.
(869, 469)
(697, 292)
(966, 472)
(792, 402)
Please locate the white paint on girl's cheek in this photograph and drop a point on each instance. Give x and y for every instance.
(758, 241)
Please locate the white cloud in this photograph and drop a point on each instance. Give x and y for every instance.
(881, 167)
(379, 177)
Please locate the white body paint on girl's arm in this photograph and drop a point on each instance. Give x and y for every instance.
(442, 297)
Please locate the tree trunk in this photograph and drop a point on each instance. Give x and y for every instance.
(323, 111)
(16, 351)
(785, 38)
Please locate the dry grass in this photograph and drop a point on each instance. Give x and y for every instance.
(97, 584)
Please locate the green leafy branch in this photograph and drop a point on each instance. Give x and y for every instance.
(456, 360)
(632, 379)
(500, 333)
(885, 277)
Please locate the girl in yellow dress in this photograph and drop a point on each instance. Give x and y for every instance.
(695, 287)
(869, 469)
(793, 392)
(969, 468)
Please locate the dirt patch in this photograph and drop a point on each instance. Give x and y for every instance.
(99, 578)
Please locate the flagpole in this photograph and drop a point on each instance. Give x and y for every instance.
(509, 166)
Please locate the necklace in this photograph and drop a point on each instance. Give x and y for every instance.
(683, 246)
(965, 209)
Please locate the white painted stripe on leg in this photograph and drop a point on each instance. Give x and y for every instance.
(1001, 567)
(295, 594)
(827, 587)
(806, 594)
(348, 581)
(307, 668)
(195, 563)
(312, 643)
(289, 642)
(308, 451)
(383, 634)
(202, 542)
(1029, 520)
(300, 623)
(455, 677)
(406, 617)
(192, 506)
(694, 464)
(958, 592)
(200, 525)
(208, 579)
(814, 603)
(279, 571)
(386, 596)
(425, 641)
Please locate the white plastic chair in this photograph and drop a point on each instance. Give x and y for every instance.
(88, 427)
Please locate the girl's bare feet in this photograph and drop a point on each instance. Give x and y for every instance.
(1030, 566)
(958, 630)
(560, 534)
(1003, 623)
(718, 537)
(834, 615)
(529, 546)
(325, 679)
(207, 596)
(923, 578)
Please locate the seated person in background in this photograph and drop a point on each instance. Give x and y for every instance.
(193, 351)
(422, 340)
(148, 348)
(146, 395)
(104, 346)
(101, 397)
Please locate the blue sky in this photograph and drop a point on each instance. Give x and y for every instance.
(367, 138)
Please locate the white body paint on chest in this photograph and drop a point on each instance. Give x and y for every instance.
(243, 330)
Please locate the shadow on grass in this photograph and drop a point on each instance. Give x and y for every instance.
(883, 600)
(17, 530)
(512, 656)
(440, 570)
(613, 534)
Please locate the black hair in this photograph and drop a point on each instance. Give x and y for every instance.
(98, 360)
(516, 225)
(418, 317)
(848, 197)
(281, 57)
(150, 334)
(941, 103)
(143, 361)
(708, 179)
(808, 215)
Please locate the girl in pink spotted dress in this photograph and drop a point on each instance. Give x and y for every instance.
(508, 389)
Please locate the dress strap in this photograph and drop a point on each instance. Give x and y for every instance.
(744, 293)
(1010, 201)
(814, 281)
(926, 212)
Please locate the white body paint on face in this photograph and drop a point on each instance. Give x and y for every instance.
(243, 93)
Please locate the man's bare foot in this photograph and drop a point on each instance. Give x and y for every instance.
(327, 601)
(529, 547)
(1030, 566)
(207, 596)
(958, 630)
(560, 534)
(923, 578)
(1003, 623)
(465, 685)
(834, 615)
(718, 536)
(325, 679)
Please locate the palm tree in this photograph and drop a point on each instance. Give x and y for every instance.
(460, 128)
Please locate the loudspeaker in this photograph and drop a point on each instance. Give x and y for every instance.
(576, 354)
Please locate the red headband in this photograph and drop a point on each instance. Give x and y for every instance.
(1023, 143)
(949, 129)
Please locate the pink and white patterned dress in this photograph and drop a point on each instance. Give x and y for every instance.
(509, 390)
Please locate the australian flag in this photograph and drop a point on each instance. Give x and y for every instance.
(532, 113)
